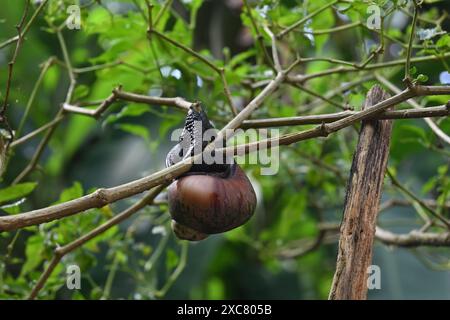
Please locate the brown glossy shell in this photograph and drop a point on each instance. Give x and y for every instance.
(212, 204)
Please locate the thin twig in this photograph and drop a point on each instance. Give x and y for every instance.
(276, 59)
(413, 238)
(4, 108)
(60, 252)
(219, 71)
(433, 126)
(118, 94)
(176, 273)
(40, 149)
(167, 4)
(45, 67)
(306, 18)
(34, 133)
(379, 65)
(439, 111)
(407, 78)
(259, 36)
(27, 26)
(411, 195)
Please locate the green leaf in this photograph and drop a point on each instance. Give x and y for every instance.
(136, 130)
(443, 42)
(16, 191)
(240, 58)
(429, 185)
(33, 252)
(442, 170)
(14, 207)
(216, 289)
(131, 110)
(422, 78)
(414, 131)
(171, 259)
(51, 78)
(121, 257)
(73, 192)
(80, 92)
(68, 142)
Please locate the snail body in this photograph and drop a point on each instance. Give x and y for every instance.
(210, 198)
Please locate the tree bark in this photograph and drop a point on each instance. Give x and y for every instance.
(361, 205)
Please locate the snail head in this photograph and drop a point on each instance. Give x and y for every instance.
(192, 142)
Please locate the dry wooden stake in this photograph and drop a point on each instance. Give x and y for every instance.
(362, 204)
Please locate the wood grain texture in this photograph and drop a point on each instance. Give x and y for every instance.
(362, 204)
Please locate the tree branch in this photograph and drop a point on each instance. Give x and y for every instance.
(361, 205)
(413, 238)
(27, 26)
(60, 252)
(439, 111)
(407, 78)
(300, 78)
(118, 94)
(97, 199)
(104, 196)
(306, 18)
(4, 108)
(415, 105)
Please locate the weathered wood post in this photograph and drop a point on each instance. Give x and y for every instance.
(362, 204)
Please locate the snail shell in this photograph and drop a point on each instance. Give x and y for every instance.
(210, 198)
(185, 233)
(211, 203)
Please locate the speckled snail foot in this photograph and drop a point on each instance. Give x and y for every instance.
(210, 198)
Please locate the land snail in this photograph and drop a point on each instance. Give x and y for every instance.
(210, 198)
